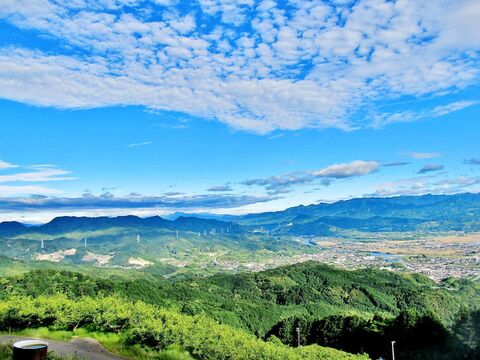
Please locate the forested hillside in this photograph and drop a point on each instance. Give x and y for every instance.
(358, 311)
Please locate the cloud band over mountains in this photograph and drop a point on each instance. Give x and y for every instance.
(35, 203)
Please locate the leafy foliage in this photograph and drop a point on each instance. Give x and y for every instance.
(151, 327)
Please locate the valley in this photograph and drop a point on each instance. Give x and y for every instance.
(436, 256)
(257, 277)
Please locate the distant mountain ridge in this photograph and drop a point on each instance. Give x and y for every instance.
(66, 224)
(403, 213)
(12, 228)
(460, 212)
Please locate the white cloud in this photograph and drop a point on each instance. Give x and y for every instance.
(259, 68)
(355, 168)
(6, 165)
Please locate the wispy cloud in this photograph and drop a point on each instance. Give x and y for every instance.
(140, 144)
(396, 163)
(424, 155)
(263, 66)
(472, 161)
(173, 193)
(42, 174)
(384, 119)
(11, 190)
(220, 188)
(6, 165)
(426, 185)
(275, 136)
(430, 168)
(38, 173)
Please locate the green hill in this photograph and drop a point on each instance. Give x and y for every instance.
(269, 303)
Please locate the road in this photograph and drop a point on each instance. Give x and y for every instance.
(83, 348)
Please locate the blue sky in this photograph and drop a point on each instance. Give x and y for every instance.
(149, 107)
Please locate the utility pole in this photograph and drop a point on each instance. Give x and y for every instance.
(298, 336)
(393, 350)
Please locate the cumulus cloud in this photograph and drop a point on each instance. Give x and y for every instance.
(261, 67)
(430, 168)
(281, 183)
(340, 171)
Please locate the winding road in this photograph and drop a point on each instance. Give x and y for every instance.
(83, 348)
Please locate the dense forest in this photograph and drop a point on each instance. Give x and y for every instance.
(226, 316)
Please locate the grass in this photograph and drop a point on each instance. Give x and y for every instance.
(114, 343)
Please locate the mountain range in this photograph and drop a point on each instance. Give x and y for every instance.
(460, 212)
